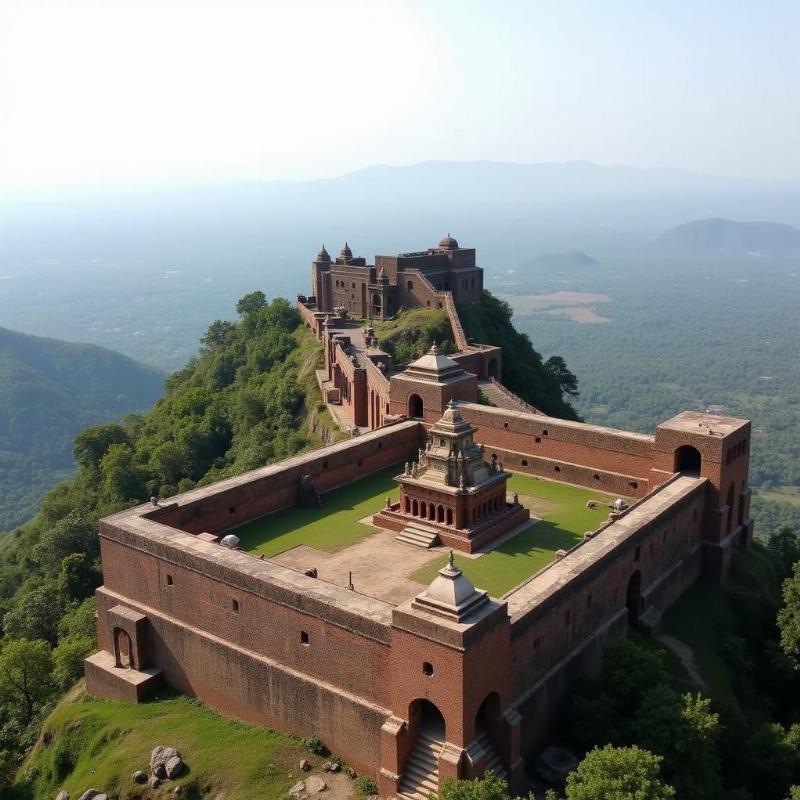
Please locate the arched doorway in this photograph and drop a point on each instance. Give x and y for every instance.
(376, 305)
(488, 715)
(729, 501)
(424, 717)
(688, 460)
(491, 368)
(415, 406)
(123, 649)
(633, 597)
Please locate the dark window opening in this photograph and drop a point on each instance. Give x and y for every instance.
(169, 580)
(232, 510)
(588, 600)
(596, 476)
(633, 484)
(325, 464)
(538, 439)
(427, 668)
(544, 432)
(524, 462)
(637, 552)
(536, 642)
(359, 462)
(557, 469)
(304, 637)
(235, 606)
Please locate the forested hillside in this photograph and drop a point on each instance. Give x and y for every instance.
(50, 390)
(544, 384)
(248, 398)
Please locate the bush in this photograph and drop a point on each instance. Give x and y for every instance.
(365, 786)
(314, 744)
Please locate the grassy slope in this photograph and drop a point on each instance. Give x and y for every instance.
(106, 742)
(565, 518)
(332, 527)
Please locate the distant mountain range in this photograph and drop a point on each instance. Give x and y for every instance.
(725, 237)
(49, 391)
(567, 259)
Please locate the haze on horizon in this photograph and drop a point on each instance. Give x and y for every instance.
(165, 90)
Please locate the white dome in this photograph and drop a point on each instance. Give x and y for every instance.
(231, 541)
(451, 587)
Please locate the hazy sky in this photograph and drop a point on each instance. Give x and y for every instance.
(103, 89)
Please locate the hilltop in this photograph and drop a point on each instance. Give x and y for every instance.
(50, 390)
(717, 237)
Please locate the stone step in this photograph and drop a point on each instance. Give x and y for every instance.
(418, 536)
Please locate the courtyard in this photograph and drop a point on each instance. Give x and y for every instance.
(340, 543)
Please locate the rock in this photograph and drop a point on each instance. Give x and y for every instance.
(297, 789)
(139, 777)
(159, 758)
(154, 782)
(335, 766)
(89, 794)
(315, 785)
(178, 790)
(62, 795)
(173, 767)
(305, 765)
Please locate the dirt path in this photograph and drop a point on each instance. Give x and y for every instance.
(685, 655)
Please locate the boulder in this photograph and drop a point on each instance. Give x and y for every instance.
(305, 764)
(315, 785)
(159, 758)
(298, 789)
(139, 777)
(173, 767)
(154, 782)
(62, 795)
(90, 794)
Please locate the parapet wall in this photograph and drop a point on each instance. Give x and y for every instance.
(588, 455)
(233, 502)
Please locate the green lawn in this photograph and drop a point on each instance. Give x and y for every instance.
(332, 527)
(565, 518)
(99, 744)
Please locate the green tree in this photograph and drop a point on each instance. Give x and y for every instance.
(683, 730)
(251, 303)
(25, 675)
(78, 577)
(75, 533)
(93, 443)
(122, 479)
(789, 616)
(36, 614)
(618, 773)
(68, 660)
(566, 379)
(490, 787)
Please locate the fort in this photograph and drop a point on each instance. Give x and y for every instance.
(420, 594)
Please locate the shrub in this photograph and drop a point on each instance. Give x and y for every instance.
(365, 786)
(314, 744)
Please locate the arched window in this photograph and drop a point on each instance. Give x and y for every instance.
(688, 460)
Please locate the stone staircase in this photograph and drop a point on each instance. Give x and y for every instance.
(419, 535)
(502, 397)
(421, 776)
(482, 746)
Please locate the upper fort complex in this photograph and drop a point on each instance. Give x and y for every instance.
(338, 608)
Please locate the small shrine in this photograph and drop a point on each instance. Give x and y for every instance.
(452, 492)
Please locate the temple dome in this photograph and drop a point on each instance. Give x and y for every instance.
(451, 587)
(448, 243)
(323, 255)
(434, 361)
(346, 251)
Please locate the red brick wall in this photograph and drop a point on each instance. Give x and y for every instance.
(580, 451)
(260, 492)
(236, 681)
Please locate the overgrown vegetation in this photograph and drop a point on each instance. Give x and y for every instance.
(547, 385)
(411, 333)
(249, 397)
